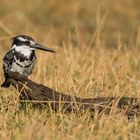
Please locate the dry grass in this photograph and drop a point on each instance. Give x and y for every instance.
(97, 44)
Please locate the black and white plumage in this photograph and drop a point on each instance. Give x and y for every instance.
(21, 58)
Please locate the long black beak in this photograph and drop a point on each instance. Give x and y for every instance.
(41, 47)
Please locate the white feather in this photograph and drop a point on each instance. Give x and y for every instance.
(25, 50)
(22, 39)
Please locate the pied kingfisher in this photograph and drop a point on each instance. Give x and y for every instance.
(21, 57)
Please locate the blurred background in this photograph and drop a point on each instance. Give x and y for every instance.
(70, 20)
(98, 54)
(97, 42)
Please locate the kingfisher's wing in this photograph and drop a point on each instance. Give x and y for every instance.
(8, 60)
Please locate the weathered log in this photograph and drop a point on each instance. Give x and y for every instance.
(38, 94)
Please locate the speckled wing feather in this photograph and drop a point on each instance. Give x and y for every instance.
(8, 60)
(7, 64)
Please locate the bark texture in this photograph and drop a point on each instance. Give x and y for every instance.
(40, 95)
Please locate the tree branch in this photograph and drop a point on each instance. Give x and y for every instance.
(40, 95)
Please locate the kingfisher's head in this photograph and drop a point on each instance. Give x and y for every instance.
(26, 43)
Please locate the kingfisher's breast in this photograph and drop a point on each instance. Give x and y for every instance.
(23, 64)
(25, 68)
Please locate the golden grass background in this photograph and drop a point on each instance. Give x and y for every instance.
(97, 44)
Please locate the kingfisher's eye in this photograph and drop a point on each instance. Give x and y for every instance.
(27, 42)
(17, 42)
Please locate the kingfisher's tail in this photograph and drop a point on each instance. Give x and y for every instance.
(6, 83)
